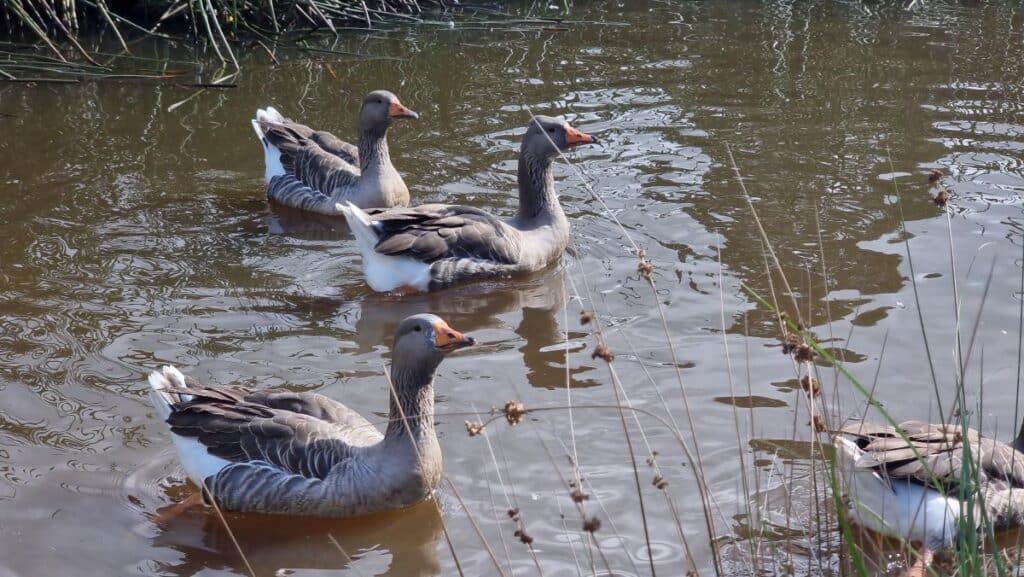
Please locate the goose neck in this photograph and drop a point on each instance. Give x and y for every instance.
(373, 149)
(537, 197)
(411, 410)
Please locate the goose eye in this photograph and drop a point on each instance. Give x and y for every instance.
(551, 130)
(417, 328)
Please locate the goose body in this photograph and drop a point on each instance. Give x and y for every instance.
(909, 485)
(432, 246)
(304, 453)
(314, 170)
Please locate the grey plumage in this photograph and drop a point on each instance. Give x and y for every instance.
(306, 454)
(320, 170)
(461, 242)
(934, 455)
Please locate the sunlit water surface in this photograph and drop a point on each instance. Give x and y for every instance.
(134, 235)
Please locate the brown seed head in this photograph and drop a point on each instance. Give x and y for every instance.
(793, 340)
(810, 385)
(513, 513)
(819, 424)
(603, 352)
(474, 428)
(523, 537)
(591, 524)
(803, 353)
(942, 198)
(578, 496)
(514, 411)
(659, 482)
(586, 317)
(934, 176)
(646, 268)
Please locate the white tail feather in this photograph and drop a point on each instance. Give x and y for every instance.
(383, 272)
(159, 382)
(271, 154)
(198, 463)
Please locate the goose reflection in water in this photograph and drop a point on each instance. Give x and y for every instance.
(396, 543)
(541, 297)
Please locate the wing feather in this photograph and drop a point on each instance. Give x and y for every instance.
(432, 232)
(302, 433)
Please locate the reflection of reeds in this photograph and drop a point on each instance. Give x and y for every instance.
(218, 25)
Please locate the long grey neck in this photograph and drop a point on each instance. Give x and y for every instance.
(374, 156)
(411, 404)
(537, 198)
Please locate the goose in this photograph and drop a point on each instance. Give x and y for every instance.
(313, 170)
(281, 452)
(909, 485)
(432, 246)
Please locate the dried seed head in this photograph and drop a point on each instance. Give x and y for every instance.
(603, 352)
(578, 496)
(591, 524)
(514, 411)
(641, 254)
(513, 513)
(659, 482)
(645, 268)
(819, 424)
(523, 537)
(810, 385)
(586, 317)
(793, 340)
(474, 428)
(934, 176)
(803, 353)
(942, 198)
(652, 458)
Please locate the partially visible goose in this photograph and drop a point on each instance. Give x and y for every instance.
(314, 170)
(305, 454)
(912, 490)
(435, 245)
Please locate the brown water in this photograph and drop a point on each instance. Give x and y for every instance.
(135, 236)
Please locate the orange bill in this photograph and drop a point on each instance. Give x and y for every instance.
(398, 110)
(574, 137)
(448, 339)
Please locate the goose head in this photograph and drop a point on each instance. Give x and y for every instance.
(380, 107)
(423, 340)
(546, 136)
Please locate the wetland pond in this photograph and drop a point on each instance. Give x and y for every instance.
(135, 236)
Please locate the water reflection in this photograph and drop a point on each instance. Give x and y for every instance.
(397, 544)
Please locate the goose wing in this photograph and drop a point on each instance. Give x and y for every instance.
(319, 160)
(438, 231)
(325, 140)
(935, 454)
(300, 433)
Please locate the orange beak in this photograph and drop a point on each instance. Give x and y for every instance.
(397, 110)
(448, 339)
(574, 137)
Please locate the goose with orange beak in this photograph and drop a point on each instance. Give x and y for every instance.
(433, 246)
(313, 170)
(291, 453)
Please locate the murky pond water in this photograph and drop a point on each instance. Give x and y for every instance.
(134, 236)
